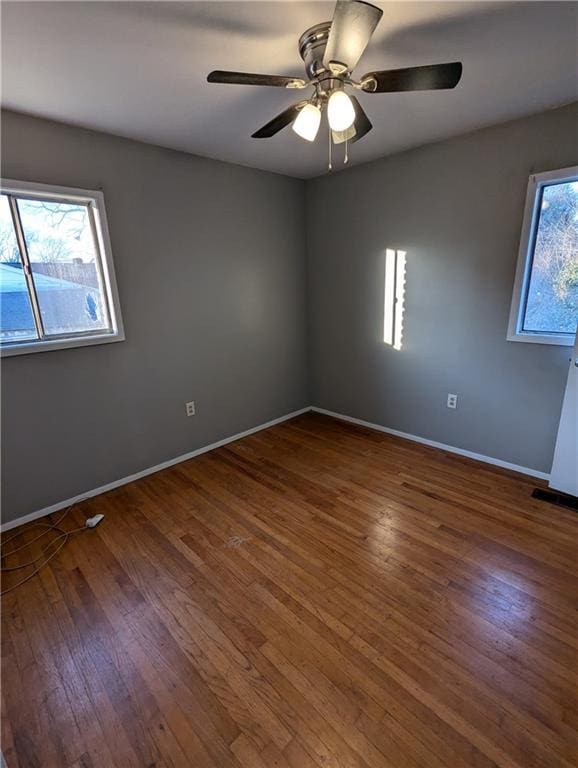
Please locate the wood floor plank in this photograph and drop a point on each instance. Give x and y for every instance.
(316, 595)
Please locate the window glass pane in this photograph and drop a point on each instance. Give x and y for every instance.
(552, 302)
(63, 259)
(16, 318)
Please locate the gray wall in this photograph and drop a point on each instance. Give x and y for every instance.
(210, 262)
(456, 208)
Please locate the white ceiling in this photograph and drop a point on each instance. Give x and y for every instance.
(138, 70)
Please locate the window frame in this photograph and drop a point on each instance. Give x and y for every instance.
(94, 200)
(516, 332)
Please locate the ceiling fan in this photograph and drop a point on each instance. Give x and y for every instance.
(331, 51)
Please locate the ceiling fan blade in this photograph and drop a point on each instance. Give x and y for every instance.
(361, 126)
(362, 123)
(279, 122)
(428, 78)
(247, 78)
(351, 29)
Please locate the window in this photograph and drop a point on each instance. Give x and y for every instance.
(57, 285)
(545, 301)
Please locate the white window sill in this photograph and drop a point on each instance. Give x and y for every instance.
(27, 348)
(558, 339)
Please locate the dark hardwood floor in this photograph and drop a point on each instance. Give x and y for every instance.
(316, 595)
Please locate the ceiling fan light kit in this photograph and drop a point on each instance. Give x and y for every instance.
(330, 51)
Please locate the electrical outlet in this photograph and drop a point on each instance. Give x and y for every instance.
(190, 408)
(452, 401)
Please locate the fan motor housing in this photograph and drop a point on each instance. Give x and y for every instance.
(312, 45)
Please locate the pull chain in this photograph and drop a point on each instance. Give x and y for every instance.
(330, 167)
(346, 158)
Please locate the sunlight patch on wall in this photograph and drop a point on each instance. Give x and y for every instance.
(394, 293)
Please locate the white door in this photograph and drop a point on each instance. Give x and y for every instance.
(564, 475)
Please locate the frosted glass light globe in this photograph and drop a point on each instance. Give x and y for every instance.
(340, 111)
(306, 123)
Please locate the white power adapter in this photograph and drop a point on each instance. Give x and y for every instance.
(92, 522)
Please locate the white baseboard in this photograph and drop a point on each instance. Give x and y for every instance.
(205, 449)
(143, 473)
(435, 444)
